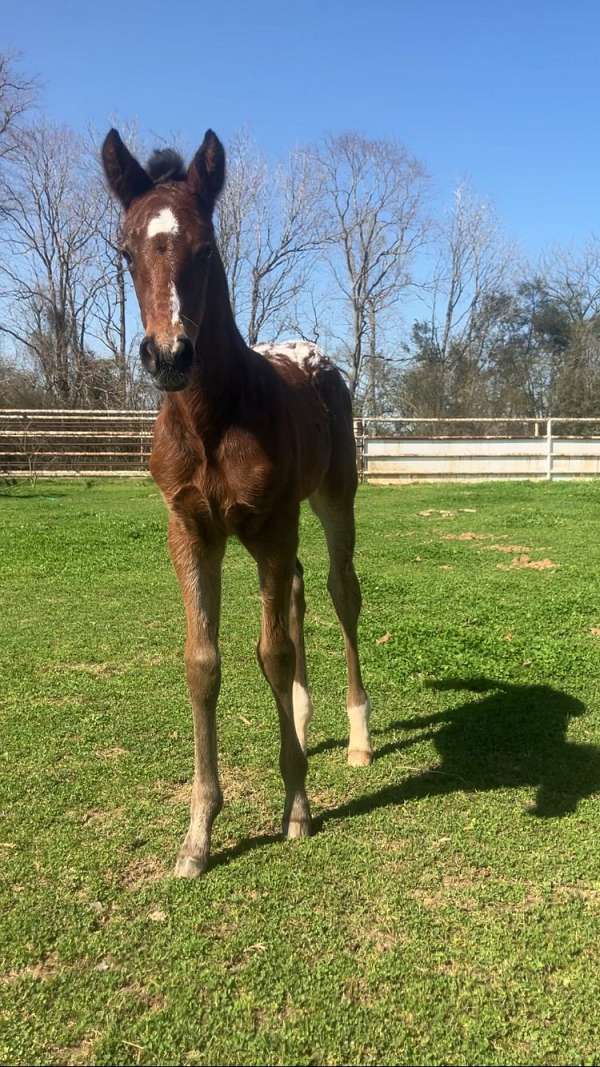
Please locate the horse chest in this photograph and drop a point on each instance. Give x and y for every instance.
(228, 492)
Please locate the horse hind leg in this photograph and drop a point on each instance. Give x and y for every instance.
(337, 519)
(277, 656)
(303, 708)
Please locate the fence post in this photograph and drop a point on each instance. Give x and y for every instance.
(549, 450)
(359, 441)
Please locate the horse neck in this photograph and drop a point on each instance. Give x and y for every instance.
(222, 363)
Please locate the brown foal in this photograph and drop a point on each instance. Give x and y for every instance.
(241, 438)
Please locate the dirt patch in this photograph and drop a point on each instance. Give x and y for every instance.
(588, 894)
(595, 631)
(40, 971)
(455, 890)
(111, 753)
(143, 871)
(179, 794)
(149, 1001)
(445, 514)
(524, 562)
(97, 670)
(323, 798)
(468, 535)
(72, 1055)
(379, 940)
(511, 549)
(154, 659)
(95, 817)
(234, 783)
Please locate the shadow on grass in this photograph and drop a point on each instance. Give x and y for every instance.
(245, 845)
(511, 736)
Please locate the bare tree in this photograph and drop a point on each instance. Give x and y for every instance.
(267, 231)
(286, 235)
(472, 267)
(17, 94)
(571, 283)
(246, 177)
(572, 279)
(49, 270)
(112, 321)
(373, 226)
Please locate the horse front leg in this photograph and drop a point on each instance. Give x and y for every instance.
(198, 569)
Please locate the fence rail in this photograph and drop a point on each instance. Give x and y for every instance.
(390, 449)
(71, 443)
(393, 449)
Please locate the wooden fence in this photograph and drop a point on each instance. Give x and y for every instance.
(70, 443)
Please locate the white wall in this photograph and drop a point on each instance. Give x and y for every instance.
(390, 460)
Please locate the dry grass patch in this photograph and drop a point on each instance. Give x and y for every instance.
(75, 1055)
(40, 971)
(96, 817)
(111, 753)
(445, 514)
(143, 871)
(95, 670)
(235, 783)
(588, 894)
(508, 548)
(525, 562)
(468, 535)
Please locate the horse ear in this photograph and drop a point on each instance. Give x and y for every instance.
(206, 173)
(126, 178)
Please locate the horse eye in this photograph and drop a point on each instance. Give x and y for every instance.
(204, 252)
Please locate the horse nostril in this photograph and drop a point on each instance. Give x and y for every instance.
(149, 355)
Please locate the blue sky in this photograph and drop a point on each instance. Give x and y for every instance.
(507, 95)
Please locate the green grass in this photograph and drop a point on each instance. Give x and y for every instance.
(448, 908)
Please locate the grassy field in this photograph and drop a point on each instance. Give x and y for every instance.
(447, 909)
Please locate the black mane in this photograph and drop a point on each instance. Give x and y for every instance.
(166, 165)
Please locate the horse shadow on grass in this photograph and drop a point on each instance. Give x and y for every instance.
(512, 736)
(509, 736)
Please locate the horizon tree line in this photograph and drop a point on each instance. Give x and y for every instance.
(430, 316)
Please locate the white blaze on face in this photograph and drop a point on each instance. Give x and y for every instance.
(175, 305)
(164, 222)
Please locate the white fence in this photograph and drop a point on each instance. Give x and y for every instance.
(394, 450)
(71, 443)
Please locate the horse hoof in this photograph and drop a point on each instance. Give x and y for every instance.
(297, 828)
(358, 758)
(189, 867)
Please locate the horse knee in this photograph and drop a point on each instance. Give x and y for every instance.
(343, 586)
(203, 669)
(277, 658)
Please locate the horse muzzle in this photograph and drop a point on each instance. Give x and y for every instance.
(169, 365)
